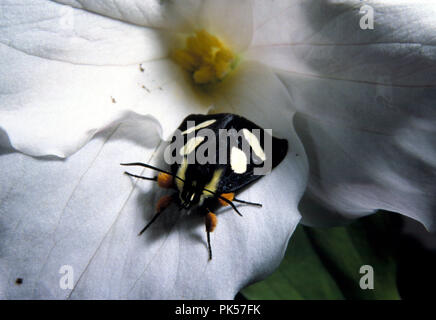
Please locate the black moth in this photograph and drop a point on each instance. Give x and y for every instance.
(208, 186)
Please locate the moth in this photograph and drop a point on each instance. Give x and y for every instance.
(237, 152)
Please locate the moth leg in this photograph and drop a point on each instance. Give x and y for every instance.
(210, 222)
(161, 205)
(228, 196)
(248, 202)
(231, 197)
(164, 180)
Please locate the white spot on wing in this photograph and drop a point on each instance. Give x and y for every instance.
(238, 160)
(254, 144)
(213, 183)
(181, 173)
(190, 145)
(201, 125)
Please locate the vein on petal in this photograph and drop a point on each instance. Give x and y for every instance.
(375, 83)
(331, 123)
(325, 44)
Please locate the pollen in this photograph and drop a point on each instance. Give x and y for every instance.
(206, 58)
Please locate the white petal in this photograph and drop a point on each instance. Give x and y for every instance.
(61, 83)
(369, 147)
(231, 20)
(59, 32)
(84, 213)
(324, 38)
(158, 14)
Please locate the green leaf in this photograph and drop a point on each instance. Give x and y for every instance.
(301, 275)
(324, 263)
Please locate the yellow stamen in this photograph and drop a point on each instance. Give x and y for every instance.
(205, 57)
(204, 74)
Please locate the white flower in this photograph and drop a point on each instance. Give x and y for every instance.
(71, 69)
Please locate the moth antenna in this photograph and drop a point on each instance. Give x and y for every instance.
(140, 177)
(247, 202)
(151, 167)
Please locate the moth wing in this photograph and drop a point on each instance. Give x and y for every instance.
(236, 175)
(232, 180)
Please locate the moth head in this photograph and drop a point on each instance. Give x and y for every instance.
(190, 196)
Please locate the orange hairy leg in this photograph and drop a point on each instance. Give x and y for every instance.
(164, 180)
(231, 197)
(211, 222)
(228, 196)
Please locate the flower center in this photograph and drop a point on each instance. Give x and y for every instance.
(206, 58)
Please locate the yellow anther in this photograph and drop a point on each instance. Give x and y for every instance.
(204, 74)
(186, 60)
(208, 40)
(205, 57)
